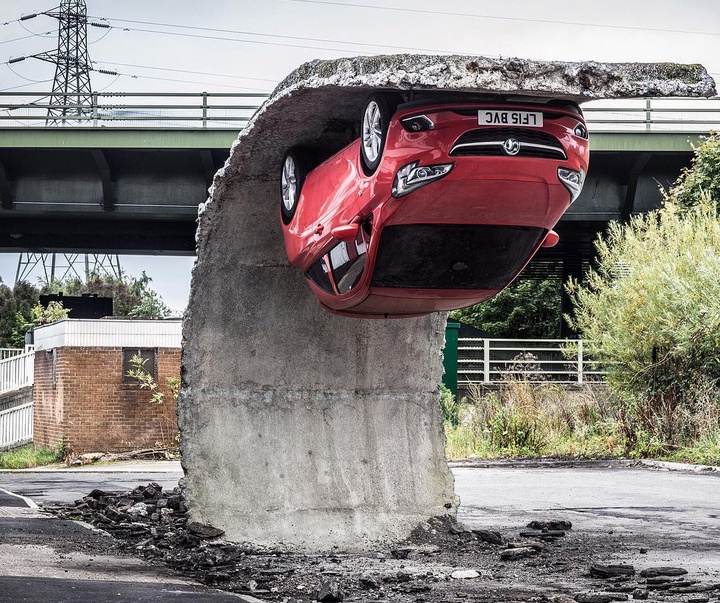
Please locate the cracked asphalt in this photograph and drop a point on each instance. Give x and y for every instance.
(623, 514)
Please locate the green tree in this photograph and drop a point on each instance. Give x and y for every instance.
(702, 178)
(526, 308)
(131, 296)
(16, 306)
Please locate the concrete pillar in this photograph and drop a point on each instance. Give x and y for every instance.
(299, 427)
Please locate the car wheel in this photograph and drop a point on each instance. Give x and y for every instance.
(374, 127)
(295, 168)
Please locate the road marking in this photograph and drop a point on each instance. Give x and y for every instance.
(30, 503)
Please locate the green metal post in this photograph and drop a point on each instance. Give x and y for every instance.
(450, 356)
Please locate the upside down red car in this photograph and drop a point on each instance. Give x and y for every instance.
(435, 206)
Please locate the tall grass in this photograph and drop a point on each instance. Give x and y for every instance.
(27, 457)
(523, 419)
(526, 419)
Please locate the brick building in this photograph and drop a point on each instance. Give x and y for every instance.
(83, 395)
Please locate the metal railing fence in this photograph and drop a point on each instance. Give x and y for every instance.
(228, 110)
(492, 361)
(17, 371)
(16, 426)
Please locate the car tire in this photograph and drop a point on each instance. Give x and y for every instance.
(296, 165)
(374, 128)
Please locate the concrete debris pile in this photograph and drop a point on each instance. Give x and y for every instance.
(621, 583)
(442, 560)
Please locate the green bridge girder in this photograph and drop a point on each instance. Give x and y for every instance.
(187, 138)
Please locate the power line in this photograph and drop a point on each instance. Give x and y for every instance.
(267, 35)
(26, 37)
(236, 77)
(221, 38)
(25, 85)
(498, 18)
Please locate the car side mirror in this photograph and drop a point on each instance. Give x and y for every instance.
(551, 239)
(349, 232)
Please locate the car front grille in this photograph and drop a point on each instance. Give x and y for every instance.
(489, 142)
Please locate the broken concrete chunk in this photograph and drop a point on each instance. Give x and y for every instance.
(330, 592)
(601, 597)
(653, 572)
(464, 574)
(202, 530)
(369, 581)
(489, 536)
(611, 571)
(553, 524)
(518, 553)
(544, 534)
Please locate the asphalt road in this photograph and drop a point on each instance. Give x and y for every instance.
(48, 560)
(673, 516)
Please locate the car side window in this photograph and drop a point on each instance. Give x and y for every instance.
(347, 260)
(318, 274)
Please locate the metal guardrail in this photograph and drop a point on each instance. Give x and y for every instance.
(18, 370)
(221, 110)
(227, 110)
(16, 426)
(492, 361)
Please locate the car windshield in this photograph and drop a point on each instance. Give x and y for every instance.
(422, 256)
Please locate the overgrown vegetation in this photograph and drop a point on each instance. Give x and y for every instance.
(27, 457)
(526, 419)
(146, 381)
(526, 308)
(650, 314)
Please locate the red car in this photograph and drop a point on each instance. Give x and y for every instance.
(435, 206)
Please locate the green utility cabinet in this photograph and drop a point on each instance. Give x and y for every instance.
(450, 356)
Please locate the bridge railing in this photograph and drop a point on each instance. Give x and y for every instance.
(227, 110)
(218, 110)
(492, 361)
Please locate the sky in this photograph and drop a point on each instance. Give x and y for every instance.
(250, 45)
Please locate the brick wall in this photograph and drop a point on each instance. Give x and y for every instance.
(92, 410)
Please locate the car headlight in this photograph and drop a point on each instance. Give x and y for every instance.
(413, 176)
(581, 131)
(572, 180)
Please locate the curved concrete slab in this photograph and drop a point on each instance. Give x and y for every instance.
(303, 428)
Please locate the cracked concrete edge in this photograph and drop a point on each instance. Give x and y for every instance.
(580, 81)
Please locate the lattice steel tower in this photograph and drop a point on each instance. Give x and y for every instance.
(72, 92)
(71, 97)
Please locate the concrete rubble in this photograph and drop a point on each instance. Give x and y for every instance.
(441, 561)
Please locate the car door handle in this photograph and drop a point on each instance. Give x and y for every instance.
(319, 229)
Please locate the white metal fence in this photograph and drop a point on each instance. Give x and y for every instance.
(16, 426)
(489, 361)
(17, 370)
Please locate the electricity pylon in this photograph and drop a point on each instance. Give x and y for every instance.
(71, 97)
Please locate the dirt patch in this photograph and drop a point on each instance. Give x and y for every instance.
(545, 559)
